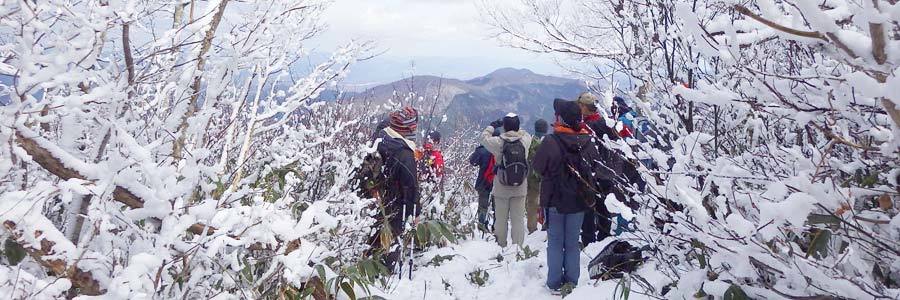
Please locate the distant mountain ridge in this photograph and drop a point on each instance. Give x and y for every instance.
(477, 101)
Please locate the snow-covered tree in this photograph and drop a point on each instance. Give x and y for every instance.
(174, 149)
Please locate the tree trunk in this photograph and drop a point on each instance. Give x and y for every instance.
(181, 133)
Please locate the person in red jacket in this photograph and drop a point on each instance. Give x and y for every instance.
(432, 158)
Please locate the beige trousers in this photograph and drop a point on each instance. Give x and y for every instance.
(510, 213)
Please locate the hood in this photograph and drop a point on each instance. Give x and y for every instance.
(391, 140)
(512, 136)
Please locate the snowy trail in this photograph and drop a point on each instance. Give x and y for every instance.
(508, 279)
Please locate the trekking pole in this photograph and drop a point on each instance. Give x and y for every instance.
(411, 248)
(400, 245)
(410, 244)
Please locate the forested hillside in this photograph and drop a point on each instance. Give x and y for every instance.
(473, 103)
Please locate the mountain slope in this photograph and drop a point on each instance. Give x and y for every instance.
(474, 103)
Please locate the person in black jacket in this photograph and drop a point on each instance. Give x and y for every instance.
(400, 200)
(484, 160)
(565, 192)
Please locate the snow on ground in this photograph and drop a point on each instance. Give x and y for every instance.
(508, 279)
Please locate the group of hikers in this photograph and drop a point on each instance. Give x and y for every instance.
(556, 180)
(569, 173)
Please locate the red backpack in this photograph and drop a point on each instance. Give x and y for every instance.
(489, 172)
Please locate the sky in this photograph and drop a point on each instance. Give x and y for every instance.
(442, 37)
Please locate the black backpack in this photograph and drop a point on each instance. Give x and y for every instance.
(616, 259)
(577, 179)
(513, 166)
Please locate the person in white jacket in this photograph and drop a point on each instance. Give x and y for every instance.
(509, 200)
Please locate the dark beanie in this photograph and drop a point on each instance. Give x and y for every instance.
(540, 127)
(568, 112)
(435, 137)
(511, 122)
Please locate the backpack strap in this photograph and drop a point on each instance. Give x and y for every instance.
(559, 143)
(566, 164)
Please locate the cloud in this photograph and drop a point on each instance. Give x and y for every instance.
(425, 29)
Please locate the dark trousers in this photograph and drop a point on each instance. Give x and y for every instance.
(484, 206)
(596, 225)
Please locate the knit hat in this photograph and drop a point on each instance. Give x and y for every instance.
(540, 127)
(404, 121)
(511, 122)
(435, 137)
(568, 113)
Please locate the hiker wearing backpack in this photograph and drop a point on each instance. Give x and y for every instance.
(484, 160)
(568, 163)
(533, 198)
(510, 150)
(399, 199)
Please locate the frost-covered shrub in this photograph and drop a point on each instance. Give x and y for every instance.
(174, 149)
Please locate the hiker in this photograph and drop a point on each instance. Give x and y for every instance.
(533, 198)
(484, 160)
(400, 197)
(432, 161)
(625, 115)
(567, 161)
(595, 121)
(510, 179)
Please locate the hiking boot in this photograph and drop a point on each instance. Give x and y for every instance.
(567, 288)
(554, 292)
(484, 229)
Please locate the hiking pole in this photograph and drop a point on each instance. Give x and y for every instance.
(411, 244)
(400, 245)
(411, 248)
